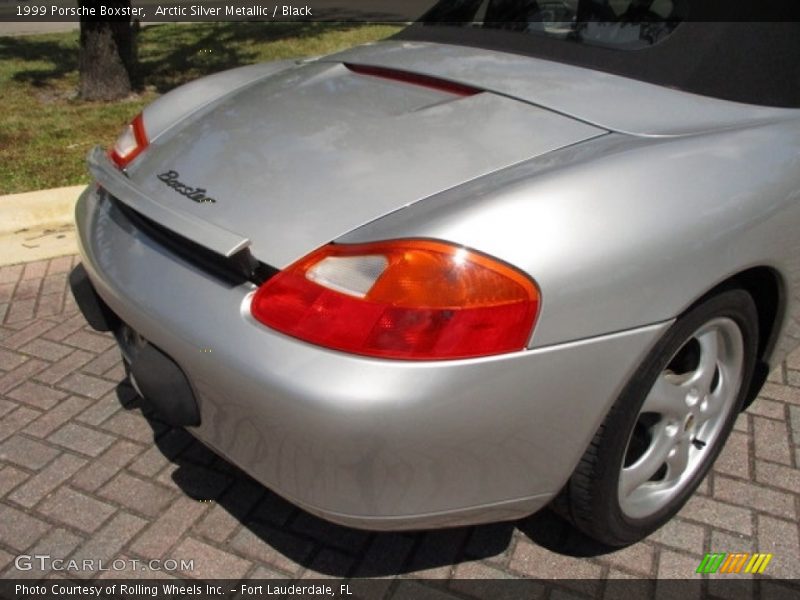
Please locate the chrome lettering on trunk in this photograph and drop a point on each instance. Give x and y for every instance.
(170, 178)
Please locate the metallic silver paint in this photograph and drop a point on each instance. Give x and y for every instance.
(604, 100)
(621, 231)
(610, 240)
(259, 152)
(169, 110)
(362, 441)
(214, 237)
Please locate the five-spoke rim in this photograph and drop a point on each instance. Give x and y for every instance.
(682, 417)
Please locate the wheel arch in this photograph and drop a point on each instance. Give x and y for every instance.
(767, 288)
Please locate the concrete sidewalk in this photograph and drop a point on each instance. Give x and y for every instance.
(38, 225)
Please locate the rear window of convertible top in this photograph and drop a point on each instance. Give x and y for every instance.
(621, 24)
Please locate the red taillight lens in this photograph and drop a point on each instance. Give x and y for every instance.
(410, 299)
(130, 143)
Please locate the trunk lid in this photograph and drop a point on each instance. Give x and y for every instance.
(303, 157)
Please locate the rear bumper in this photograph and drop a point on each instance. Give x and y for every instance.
(369, 443)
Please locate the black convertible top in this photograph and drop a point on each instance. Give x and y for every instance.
(754, 62)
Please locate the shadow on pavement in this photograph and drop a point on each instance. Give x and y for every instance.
(550, 531)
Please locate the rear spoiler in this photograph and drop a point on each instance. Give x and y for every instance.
(217, 239)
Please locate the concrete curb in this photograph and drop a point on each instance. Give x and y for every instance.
(38, 225)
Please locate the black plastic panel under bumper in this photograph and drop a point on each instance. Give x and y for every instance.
(159, 378)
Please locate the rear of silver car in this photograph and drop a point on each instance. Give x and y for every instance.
(380, 444)
(520, 166)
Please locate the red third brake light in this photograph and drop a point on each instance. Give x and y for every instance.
(435, 83)
(408, 299)
(130, 143)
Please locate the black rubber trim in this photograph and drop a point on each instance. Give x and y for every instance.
(164, 384)
(235, 270)
(95, 311)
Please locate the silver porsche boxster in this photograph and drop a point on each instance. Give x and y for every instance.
(518, 255)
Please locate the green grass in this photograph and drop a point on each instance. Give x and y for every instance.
(45, 131)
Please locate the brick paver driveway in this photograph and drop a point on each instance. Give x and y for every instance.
(85, 474)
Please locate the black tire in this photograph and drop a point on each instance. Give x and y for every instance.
(591, 498)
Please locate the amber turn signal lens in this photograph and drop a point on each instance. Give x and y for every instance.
(405, 299)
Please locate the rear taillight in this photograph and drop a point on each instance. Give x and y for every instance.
(407, 299)
(130, 143)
